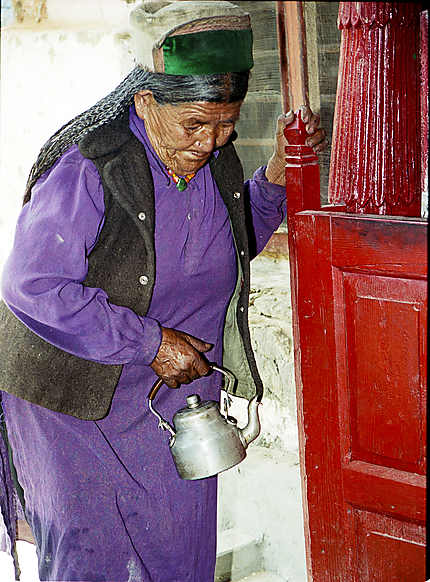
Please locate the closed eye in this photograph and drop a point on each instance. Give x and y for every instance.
(192, 124)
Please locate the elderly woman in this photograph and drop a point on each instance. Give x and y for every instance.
(131, 263)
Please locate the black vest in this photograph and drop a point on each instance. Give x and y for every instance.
(34, 369)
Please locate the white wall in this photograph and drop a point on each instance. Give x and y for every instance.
(52, 71)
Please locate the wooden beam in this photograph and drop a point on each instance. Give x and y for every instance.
(292, 55)
(283, 58)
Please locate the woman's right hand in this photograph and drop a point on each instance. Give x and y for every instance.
(180, 359)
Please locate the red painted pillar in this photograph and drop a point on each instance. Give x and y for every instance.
(424, 98)
(376, 154)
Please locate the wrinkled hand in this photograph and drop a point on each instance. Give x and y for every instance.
(317, 140)
(179, 359)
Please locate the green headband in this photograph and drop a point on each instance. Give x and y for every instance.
(208, 52)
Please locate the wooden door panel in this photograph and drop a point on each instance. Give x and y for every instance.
(389, 244)
(382, 323)
(388, 549)
(384, 490)
(361, 299)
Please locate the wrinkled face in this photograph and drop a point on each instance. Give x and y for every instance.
(185, 135)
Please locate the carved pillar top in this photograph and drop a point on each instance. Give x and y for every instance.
(375, 14)
(375, 161)
(301, 171)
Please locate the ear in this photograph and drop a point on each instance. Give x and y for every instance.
(142, 100)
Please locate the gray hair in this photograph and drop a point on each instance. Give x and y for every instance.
(173, 89)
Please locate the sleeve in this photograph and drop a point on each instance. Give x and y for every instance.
(268, 206)
(43, 277)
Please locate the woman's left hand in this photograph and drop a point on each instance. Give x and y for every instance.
(317, 140)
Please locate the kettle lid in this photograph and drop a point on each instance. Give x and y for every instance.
(193, 401)
(195, 405)
(196, 408)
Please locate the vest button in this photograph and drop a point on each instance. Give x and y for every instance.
(236, 195)
(143, 280)
(242, 253)
(241, 308)
(141, 216)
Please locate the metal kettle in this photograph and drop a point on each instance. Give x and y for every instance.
(205, 441)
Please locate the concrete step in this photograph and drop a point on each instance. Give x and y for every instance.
(238, 555)
(261, 577)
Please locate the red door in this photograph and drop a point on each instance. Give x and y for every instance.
(361, 315)
(359, 295)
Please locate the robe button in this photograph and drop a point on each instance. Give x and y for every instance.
(236, 195)
(143, 280)
(141, 216)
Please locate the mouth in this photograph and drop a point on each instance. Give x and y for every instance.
(198, 155)
(189, 161)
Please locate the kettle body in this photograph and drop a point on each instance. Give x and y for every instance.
(204, 441)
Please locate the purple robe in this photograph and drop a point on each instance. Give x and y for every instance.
(103, 498)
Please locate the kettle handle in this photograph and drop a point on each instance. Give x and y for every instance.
(230, 381)
(156, 387)
(228, 375)
(163, 424)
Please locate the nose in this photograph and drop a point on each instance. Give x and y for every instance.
(206, 140)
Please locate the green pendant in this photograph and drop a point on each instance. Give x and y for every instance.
(181, 185)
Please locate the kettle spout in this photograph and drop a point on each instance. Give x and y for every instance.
(251, 431)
